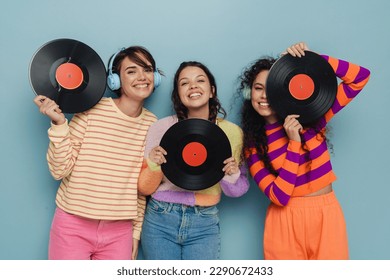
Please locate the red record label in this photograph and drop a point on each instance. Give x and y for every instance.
(301, 86)
(69, 75)
(194, 154)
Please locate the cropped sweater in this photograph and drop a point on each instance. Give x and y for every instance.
(153, 182)
(99, 156)
(302, 171)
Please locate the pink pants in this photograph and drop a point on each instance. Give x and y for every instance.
(76, 238)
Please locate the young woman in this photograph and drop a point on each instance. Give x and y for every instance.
(183, 224)
(98, 157)
(291, 165)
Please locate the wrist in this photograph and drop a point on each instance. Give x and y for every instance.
(59, 122)
(153, 166)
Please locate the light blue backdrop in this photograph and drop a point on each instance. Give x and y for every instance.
(225, 35)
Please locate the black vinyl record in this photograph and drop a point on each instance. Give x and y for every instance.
(306, 86)
(196, 149)
(68, 72)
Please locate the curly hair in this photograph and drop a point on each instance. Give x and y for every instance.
(253, 124)
(215, 106)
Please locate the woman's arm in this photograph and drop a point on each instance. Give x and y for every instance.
(354, 78)
(64, 146)
(236, 185)
(277, 188)
(151, 174)
(149, 178)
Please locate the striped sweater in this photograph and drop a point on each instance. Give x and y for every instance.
(304, 171)
(98, 156)
(152, 180)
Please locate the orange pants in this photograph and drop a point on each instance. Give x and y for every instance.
(308, 228)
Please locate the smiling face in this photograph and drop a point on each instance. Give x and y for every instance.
(259, 98)
(137, 82)
(195, 90)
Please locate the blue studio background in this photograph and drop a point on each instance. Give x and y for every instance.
(226, 36)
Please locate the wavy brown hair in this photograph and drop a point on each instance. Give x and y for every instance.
(215, 106)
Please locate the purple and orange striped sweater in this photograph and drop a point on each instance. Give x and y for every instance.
(304, 171)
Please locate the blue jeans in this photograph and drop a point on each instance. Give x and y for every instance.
(174, 231)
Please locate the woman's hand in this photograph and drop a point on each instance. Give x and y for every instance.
(157, 155)
(231, 166)
(49, 108)
(297, 49)
(293, 127)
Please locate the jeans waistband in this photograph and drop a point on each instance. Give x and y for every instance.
(178, 207)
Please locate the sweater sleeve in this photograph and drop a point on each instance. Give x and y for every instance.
(277, 188)
(151, 174)
(235, 185)
(150, 177)
(64, 146)
(354, 78)
(137, 223)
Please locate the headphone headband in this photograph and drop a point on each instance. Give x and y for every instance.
(112, 60)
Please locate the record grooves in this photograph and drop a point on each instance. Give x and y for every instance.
(196, 149)
(68, 72)
(306, 86)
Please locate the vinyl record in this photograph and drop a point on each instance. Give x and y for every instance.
(306, 86)
(196, 149)
(68, 72)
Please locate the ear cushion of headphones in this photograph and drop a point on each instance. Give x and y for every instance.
(246, 93)
(157, 79)
(113, 81)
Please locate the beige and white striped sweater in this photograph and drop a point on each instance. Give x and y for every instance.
(98, 156)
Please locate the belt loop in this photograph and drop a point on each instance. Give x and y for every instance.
(169, 206)
(196, 209)
(183, 208)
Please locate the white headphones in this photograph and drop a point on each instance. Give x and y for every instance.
(246, 93)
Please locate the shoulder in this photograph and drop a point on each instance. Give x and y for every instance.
(104, 104)
(162, 125)
(149, 115)
(167, 121)
(229, 128)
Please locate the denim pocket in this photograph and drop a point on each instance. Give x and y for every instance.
(208, 211)
(155, 206)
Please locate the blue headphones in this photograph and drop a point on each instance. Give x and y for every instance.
(114, 81)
